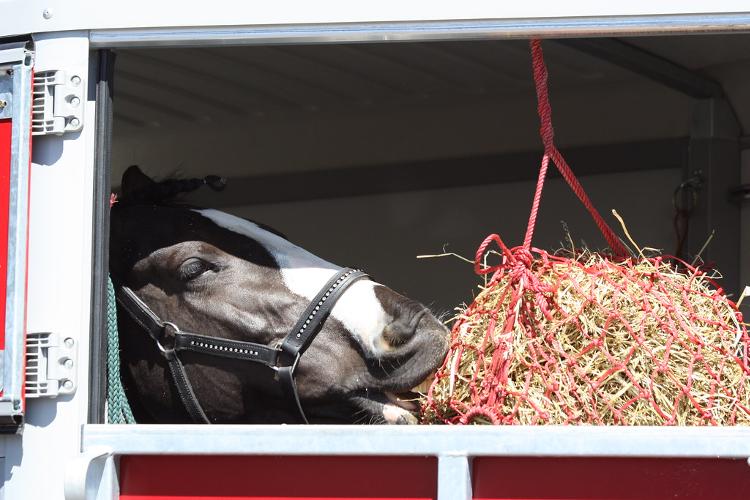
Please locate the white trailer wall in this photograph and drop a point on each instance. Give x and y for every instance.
(384, 233)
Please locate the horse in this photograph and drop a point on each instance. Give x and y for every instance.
(189, 269)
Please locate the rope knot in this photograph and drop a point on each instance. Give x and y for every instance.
(523, 256)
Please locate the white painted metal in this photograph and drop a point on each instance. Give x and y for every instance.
(12, 55)
(92, 476)
(590, 441)
(33, 16)
(59, 287)
(454, 477)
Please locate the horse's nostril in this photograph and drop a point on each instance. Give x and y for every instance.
(398, 333)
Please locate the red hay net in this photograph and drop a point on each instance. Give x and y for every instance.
(666, 347)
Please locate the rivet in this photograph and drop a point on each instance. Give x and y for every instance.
(68, 384)
(69, 342)
(74, 122)
(75, 80)
(47, 13)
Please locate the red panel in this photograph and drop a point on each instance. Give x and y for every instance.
(277, 478)
(6, 128)
(610, 479)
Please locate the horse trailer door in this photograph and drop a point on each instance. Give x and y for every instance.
(16, 80)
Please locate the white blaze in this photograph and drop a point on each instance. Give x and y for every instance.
(358, 309)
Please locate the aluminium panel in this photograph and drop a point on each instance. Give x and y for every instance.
(37, 16)
(15, 133)
(585, 441)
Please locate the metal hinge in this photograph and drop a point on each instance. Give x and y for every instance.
(50, 365)
(57, 105)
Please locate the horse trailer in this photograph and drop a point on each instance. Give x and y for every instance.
(370, 134)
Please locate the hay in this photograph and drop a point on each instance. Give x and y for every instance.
(588, 339)
(642, 341)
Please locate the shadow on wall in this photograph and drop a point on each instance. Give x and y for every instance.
(384, 233)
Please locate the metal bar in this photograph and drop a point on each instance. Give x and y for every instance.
(649, 65)
(437, 174)
(427, 30)
(454, 477)
(590, 441)
(13, 362)
(100, 250)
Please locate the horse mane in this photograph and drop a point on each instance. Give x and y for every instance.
(165, 192)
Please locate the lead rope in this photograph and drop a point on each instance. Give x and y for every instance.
(118, 408)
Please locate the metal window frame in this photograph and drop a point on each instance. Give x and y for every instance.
(432, 440)
(104, 70)
(597, 26)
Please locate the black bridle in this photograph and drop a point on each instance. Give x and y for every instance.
(282, 359)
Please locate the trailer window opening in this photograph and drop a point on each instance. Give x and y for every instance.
(425, 147)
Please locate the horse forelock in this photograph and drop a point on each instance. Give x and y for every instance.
(359, 310)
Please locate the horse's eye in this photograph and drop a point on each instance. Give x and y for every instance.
(192, 268)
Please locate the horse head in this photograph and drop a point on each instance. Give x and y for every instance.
(211, 273)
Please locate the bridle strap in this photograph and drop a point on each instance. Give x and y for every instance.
(307, 328)
(234, 349)
(184, 389)
(184, 341)
(309, 324)
(283, 359)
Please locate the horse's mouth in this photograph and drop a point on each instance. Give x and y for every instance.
(391, 407)
(406, 400)
(409, 400)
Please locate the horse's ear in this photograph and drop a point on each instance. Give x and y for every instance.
(134, 181)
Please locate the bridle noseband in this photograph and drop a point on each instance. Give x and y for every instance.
(282, 359)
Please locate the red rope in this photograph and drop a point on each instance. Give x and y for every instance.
(535, 204)
(547, 133)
